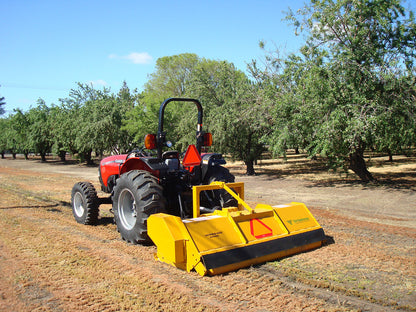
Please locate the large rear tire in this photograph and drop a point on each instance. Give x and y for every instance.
(218, 199)
(137, 195)
(84, 203)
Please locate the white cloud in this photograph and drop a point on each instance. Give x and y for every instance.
(98, 82)
(139, 58)
(134, 57)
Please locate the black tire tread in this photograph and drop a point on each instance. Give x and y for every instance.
(221, 197)
(149, 194)
(89, 194)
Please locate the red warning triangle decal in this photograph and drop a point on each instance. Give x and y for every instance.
(192, 157)
(259, 229)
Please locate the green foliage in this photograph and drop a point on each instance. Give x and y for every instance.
(233, 112)
(231, 109)
(88, 120)
(172, 78)
(172, 75)
(18, 133)
(63, 121)
(39, 135)
(97, 120)
(4, 128)
(352, 86)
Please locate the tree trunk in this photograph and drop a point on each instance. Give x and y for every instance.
(390, 156)
(43, 157)
(88, 158)
(249, 162)
(2, 155)
(14, 155)
(250, 167)
(62, 155)
(357, 164)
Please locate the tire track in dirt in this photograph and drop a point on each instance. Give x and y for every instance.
(336, 298)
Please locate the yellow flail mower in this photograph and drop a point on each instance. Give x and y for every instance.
(234, 237)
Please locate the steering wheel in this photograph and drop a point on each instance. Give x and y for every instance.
(137, 152)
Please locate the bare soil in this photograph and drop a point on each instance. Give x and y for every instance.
(48, 262)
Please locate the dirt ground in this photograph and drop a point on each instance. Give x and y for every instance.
(48, 262)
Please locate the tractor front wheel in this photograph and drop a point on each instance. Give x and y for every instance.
(84, 203)
(137, 195)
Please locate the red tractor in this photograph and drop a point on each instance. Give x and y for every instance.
(141, 185)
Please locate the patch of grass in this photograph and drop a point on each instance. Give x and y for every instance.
(349, 279)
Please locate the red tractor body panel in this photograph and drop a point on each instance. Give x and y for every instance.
(136, 163)
(110, 166)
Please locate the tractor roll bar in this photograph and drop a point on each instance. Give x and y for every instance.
(161, 136)
(163, 105)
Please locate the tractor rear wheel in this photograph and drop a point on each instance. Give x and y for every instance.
(84, 203)
(137, 195)
(218, 199)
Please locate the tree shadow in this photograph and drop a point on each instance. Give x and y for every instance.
(290, 169)
(101, 221)
(56, 161)
(50, 207)
(405, 181)
(105, 221)
(71, 162)
(318, 174)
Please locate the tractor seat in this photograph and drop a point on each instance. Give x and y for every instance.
(170, 155)
(171, 159)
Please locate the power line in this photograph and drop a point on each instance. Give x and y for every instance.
(33, 87)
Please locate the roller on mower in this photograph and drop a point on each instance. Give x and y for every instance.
(191, 208)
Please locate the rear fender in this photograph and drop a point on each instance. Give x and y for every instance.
(135, 163)
(211, 160)
(109, 170)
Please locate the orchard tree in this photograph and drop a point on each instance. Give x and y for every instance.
(124, 102)
(99, 116)
(172, 77)
(235, 115)
(290, 90)
(18, 133)
(355, 81)
(64, 122)
(231, 107)
(173, 74)
(91, 120)
(39, 134)
(4, 128)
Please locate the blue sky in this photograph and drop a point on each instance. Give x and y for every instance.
(48, 46)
